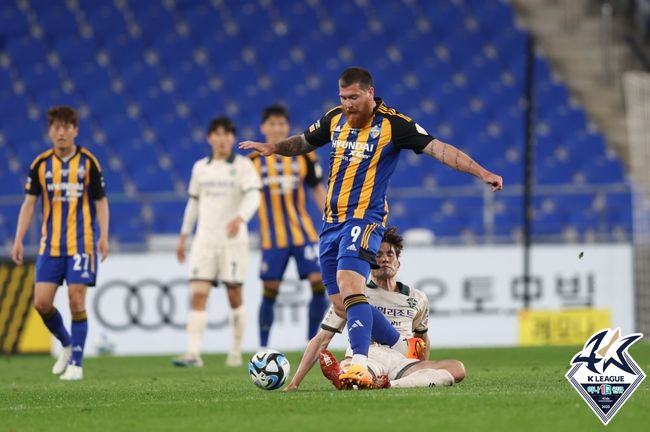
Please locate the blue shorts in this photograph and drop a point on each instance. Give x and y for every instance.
(75, 269)
(351, 245)
(275, 260)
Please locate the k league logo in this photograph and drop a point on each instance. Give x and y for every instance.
(604, 373)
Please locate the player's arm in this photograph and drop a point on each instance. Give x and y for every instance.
(315, 136)
(309, 358)
(460, 161)
(314, 180)
(292, 146)
(25, 217)
(98, 195)
(190, 216)
(101, 207)
(427, 345)
(250, 184)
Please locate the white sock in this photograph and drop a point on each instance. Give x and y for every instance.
(359, 359)
(237, 320)
(197, 321)
(402, 346)
(425, 378)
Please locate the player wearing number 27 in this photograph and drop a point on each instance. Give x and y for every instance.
(69, 180)
(366, 137)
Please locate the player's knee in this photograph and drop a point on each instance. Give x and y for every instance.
(43, 306)
(199, 300)
(458, 371)
(77, 303)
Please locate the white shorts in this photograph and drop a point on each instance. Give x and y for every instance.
(225, 264)
(383, 360)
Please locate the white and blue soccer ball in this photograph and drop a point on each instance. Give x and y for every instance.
(105, 345)
(269, 369)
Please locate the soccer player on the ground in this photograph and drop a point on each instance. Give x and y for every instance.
(223, 196)
(366, 138)
(286, 228)
(69, 180)
(408, 311)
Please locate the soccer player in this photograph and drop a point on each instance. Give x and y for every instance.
(408, 311)
(286, 228)
(223, 196)
(366, 138)
(69, 180)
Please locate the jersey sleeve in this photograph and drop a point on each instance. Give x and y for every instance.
(407, 134)
(314, 171)
(96, 185)
(421, 320)
(249, 179)
(33, 183)
(332, 322)
(318, 134)
(193, 189)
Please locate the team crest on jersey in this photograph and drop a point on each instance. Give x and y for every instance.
(81, 173)
(337, 128)
(604, 373)
(48, 174)
(412, 302)
(375, 131)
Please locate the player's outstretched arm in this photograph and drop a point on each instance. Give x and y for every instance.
(315, 346)
(458, 160)
(24, 221)
(292, 146)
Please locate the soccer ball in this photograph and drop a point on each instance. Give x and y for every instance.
(104, 345)
(269, 369)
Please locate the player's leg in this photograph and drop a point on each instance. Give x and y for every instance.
(237, 321)
(232, 268)
(274, 263)
(428, 374)
(50, 272)
(81, 271)
(307, 262)
(203, 271)
(78, 331)
(197, 322)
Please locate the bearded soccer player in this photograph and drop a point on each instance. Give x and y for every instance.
(408, 310)
(69, 180)
(286, 229)
(366, 137)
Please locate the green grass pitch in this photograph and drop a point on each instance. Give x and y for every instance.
(514, 389)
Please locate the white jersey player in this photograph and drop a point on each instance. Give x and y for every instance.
(408, 311)
(224, 195)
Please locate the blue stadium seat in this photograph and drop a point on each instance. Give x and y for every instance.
(457, 67)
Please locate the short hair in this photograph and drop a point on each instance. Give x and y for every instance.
(64, 114)
(221, 122)
(275, 110)
(393, 238)
(356, 75)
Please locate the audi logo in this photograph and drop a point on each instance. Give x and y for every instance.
(148, 305)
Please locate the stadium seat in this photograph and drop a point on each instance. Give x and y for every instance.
(151, 75)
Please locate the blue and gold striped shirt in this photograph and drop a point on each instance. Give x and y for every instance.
(284, 219)
(363, 160)
(69, 190)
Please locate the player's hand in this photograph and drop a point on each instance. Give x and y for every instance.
(102, 248)
(265, 149)
(493, 180)
(233, 227)
(17, 253)
(290, 387)
(180, 251)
